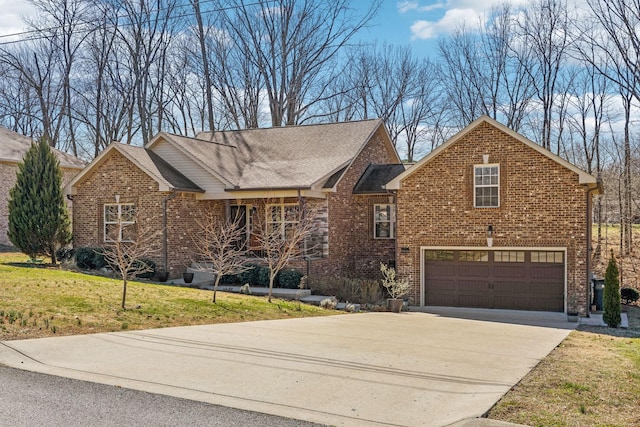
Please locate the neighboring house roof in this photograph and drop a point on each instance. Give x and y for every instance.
(167, 177)
(583, 177)
(375, 177)
(14, 146)
(277, 158)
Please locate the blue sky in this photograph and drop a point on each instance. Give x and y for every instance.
(415, 22)
(419, 23)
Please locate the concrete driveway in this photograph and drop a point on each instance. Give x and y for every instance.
(412, 368)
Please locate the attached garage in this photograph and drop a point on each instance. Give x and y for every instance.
(517, 279)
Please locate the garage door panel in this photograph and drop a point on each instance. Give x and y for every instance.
(473, 270)
(443, 285)
(517, 270)
(521, 285)
(473, 286)
(437, 269)
(547, 271)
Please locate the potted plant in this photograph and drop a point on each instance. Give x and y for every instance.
(162, 276)
(396, 288)
(187, 276)
(572, 312)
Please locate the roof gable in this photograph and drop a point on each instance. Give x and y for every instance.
(583, 177)
(281, 157)
(165, 175)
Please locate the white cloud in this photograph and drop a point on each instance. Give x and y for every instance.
(452, 19)
(11, 17)
(408, 6)
(456, 13)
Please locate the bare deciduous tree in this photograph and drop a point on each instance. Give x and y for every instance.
(129, 242)
(291, 43)
(220, 243)
(545, 31)
(282, 236)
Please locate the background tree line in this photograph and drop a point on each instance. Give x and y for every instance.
(91, 72)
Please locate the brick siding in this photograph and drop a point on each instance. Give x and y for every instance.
(541, 205)
(353, 252)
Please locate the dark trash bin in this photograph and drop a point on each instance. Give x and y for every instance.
(598, 294)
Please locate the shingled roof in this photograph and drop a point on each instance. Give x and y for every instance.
(375, 177)
(280, 157)
(150, 163)
(14, 146)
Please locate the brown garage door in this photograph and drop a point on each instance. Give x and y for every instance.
(506, 279)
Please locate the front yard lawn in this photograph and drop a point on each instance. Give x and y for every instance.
(36, 301)
(591, 379)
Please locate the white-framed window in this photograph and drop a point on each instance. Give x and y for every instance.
(486, 186)
(119, 222)
(283, 217)
(384, 221)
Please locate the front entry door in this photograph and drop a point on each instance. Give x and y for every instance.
(239, 215)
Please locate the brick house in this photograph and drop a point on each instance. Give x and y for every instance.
(491, 219)
(488, 219)
(13, 147)
(255, 173)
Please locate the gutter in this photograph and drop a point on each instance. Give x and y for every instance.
(237, 188)
(165, 251)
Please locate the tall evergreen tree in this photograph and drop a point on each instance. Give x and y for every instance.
(38, 216)
(611, 301)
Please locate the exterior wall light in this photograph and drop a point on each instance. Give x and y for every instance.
(490, 235)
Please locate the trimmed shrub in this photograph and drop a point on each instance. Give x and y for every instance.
(611, 314)
(249, 276)
(65, 254)
(289, 279)
(629, 295)
(90, 258)
(263, 276)
(151, 264)
(229, 279)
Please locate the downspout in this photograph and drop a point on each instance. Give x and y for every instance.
(165, 250)
(394, 199)
(589, 233)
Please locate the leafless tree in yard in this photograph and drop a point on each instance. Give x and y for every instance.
(291, 44)
(615, 43)
(130, 240)
(146, 39)
(64, 25)
(542, 50)
(222, 244)
(282, 235)
(35, 66)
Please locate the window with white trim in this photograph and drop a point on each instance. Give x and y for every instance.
(283, 217)
(384, 221)
(486, 186)
(119, 222)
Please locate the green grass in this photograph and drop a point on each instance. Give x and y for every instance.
(39, 301)
(591, 379)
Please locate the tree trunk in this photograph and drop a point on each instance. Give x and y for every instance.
(124, 290)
